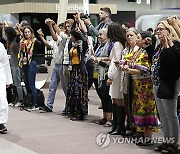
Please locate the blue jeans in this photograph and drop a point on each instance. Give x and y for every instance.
(167, 110)
(15, 70)
(56, 77)
(29, 80)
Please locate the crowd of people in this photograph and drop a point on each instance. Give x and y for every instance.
(136, 74)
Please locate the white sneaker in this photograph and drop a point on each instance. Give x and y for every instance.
(18, 104)
(10, 104)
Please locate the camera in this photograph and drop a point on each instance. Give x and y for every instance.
(85, 16)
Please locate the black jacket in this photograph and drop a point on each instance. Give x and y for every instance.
(169, 63)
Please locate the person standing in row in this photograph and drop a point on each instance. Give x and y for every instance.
(115, 78)
(58, 45)
(101, 65)
(29, 46)
(165, 75)
(77, 92)
(13, 49)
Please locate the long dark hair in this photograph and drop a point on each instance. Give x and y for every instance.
(10, 33)
(76, 35)
(116, 33)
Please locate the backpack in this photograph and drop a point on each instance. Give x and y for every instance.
(28, 98)
(42, 69)
(40, 99)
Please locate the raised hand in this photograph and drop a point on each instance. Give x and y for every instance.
(40, 33)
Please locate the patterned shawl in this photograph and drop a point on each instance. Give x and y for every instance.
(25, 52)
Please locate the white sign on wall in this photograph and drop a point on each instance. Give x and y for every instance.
(72, 7)
(147, 1)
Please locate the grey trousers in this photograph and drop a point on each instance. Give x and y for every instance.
(15, 70)
(167, 110)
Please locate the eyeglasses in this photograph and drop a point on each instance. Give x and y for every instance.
(160, 29)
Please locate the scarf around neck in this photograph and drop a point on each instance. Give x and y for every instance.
(25, 52)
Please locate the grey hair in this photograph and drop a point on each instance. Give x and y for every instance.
(133, 29)
(104, 30)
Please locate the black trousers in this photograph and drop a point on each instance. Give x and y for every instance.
(103, 93)
(90, 68)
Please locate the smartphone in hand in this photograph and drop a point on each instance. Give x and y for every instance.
(116, 62)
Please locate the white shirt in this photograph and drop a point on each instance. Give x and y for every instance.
(58, 48)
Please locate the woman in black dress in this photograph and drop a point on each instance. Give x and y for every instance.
(77, 100)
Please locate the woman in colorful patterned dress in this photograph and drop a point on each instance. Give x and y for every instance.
(143, 107)
(77, 98)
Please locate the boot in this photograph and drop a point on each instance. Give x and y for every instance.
(120, 121)
(114, 126)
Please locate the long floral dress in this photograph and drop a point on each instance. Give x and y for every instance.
(144, 108)
(77, 92)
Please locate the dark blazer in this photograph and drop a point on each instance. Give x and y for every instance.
(169, 63)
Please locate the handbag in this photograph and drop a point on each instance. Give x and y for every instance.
(166, 90)
(96, 71)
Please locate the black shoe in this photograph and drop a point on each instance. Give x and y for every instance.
(102, 121)
(77, 118)
(160, 147)
(129, 134)
(100, 107)
(119, 131)
(3, 129)
(47, 109)
(65, 114)
(170, 148)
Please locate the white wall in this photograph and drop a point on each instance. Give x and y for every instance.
(9, 17)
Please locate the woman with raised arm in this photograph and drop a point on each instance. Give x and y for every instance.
(165, 76)
(77, 100)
